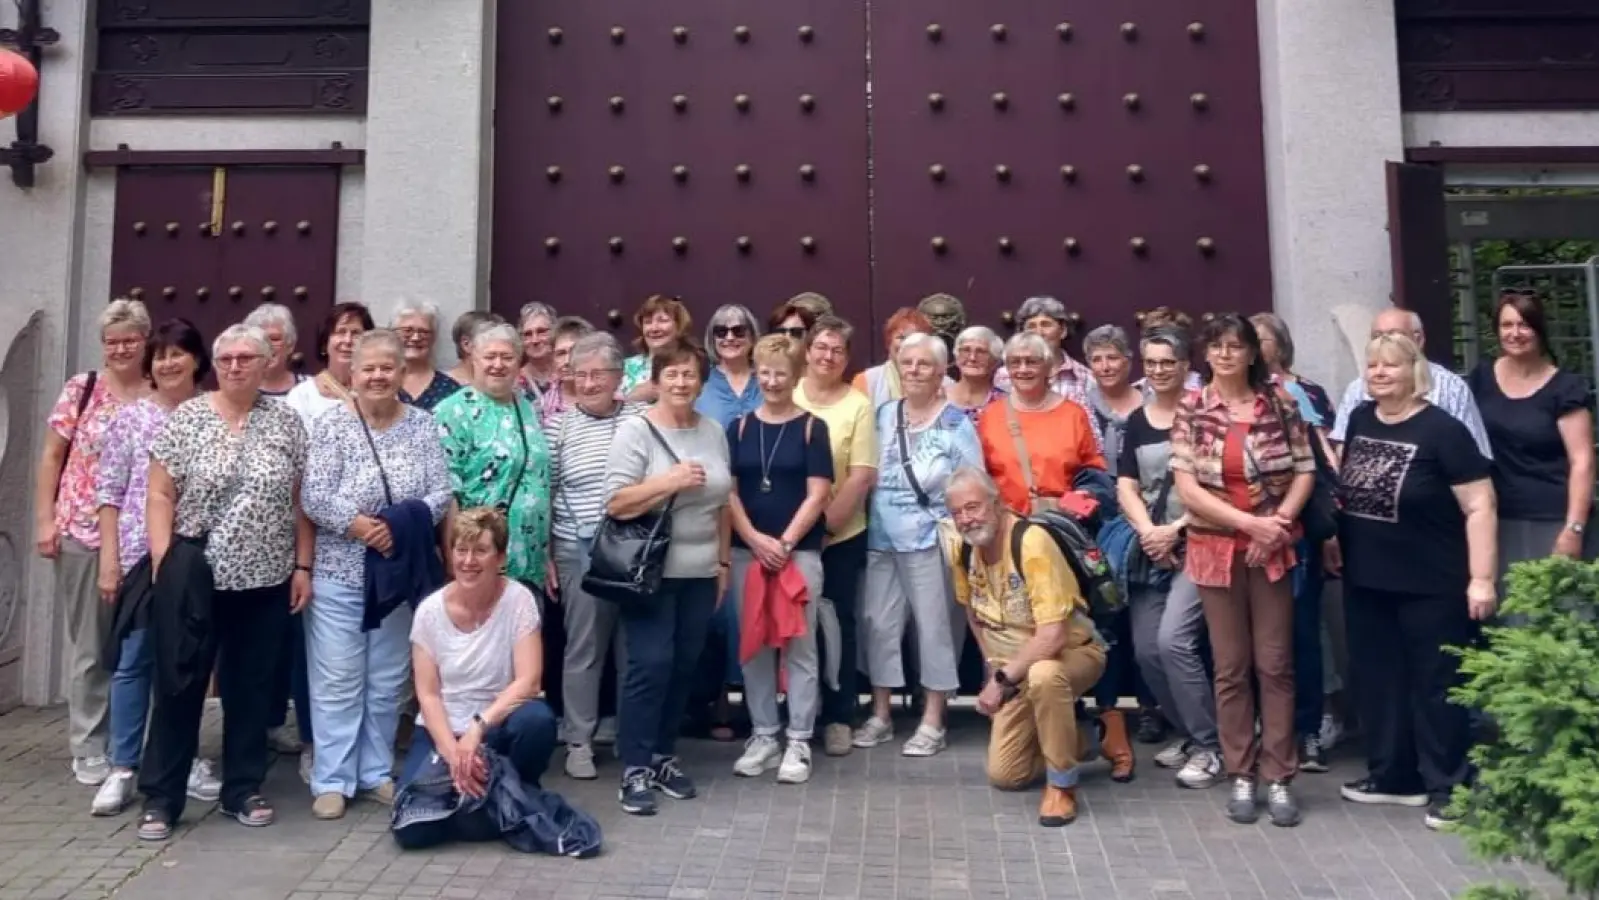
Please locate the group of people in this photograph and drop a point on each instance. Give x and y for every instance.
(387, 539)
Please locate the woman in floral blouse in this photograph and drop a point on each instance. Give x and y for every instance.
(363, 458)
(1242, 465)
(225, 480)
(497, 453)
(660, 321)
(175, 361)
(66, 523)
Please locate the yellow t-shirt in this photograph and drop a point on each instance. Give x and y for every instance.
(1009, 607)
(852, 430)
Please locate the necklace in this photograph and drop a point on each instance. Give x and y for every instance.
(766, 459)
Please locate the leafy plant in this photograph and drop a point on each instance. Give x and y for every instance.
(1536, 794)
(1496, 891)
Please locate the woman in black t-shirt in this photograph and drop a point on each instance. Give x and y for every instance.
(1541, 429)
(782, 461)
(1416, 548)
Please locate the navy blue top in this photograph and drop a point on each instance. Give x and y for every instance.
(789, 460)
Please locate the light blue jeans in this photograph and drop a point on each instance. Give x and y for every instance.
(356, 679)
(130, 699)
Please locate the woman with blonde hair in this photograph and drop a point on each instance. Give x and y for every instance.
(1417, 547)
(67, 525)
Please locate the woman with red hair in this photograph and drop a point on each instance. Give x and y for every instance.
(660, 321)
(881, 382)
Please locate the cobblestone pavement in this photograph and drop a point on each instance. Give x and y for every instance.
(872, 825)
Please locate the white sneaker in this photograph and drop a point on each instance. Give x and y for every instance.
(1332, 731)
(873, 732)
(796, 767)
(925, 742)
(1202, 770)
(605, 731)
(761, 752)
(204, 785)
(91, 770)
(1175, 756)
(307, 762)
(114, 795)
(580, 762)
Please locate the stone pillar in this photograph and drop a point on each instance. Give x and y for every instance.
(39, 244)
(1332, 118)
(428, 140)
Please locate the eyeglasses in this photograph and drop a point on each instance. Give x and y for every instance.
(131, 343)
(975, 352)
(1160, 365)
(1229, 349)
(408, 333)
(594, 376)
(239, 361)
(832, 350)
(722, 332)
(1024, 362)
(797, 332)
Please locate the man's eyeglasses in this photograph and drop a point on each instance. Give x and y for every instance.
(722, 332)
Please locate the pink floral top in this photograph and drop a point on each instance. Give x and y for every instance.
(547, 400)
(77, 509)
(124, 480)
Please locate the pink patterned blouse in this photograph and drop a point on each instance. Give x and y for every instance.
(77, 508)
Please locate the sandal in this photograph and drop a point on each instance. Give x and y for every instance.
(155, 825)
(255, 813)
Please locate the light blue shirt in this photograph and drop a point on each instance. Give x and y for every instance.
(897, 520)
(720, 403)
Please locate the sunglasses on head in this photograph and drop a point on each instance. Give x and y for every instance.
(724, 331)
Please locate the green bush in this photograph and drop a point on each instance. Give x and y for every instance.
(1495, 892)
(1536, 795)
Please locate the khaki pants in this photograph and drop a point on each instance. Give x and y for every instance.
(88, 623)
(1036, 732)
(1252, 640)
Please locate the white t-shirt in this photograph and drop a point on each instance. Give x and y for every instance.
(474, 666)
(306, 399)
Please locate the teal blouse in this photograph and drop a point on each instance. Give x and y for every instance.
(491, 465)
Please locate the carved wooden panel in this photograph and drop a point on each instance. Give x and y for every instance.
(1498, 54)
(242, 56)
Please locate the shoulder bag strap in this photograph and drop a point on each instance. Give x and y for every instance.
(388, 495)
(1022, 457)
(905, 458)
(77, 422)
(521, 469)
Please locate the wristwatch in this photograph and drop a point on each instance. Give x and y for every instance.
(1576, 527)
(788, 546)
(477, 720)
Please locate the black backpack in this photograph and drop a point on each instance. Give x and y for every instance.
(1094, 576)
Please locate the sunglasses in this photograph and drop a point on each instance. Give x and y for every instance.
(797, 332)
(726, 331)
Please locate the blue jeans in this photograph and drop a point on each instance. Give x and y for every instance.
(1309, 692)
(130, 699)
(356, 678)
(526, 738)
(664, 642)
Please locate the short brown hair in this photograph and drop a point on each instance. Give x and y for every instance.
(679, 351)
(471, 524)
(1164, 317)
(781, 346)
(828, 322)
(655, 303)
(796, 307)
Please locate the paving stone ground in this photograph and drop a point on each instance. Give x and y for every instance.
(872, 825)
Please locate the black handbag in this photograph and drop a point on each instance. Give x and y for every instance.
(628, 559)
(1319, 517)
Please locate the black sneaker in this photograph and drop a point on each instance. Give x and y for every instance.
(635, 795)
(1152, 727)
(1312, 758)
(1366, 791)
(1439, 816)
(670, 780)
(1241, 806)
(1281, 805)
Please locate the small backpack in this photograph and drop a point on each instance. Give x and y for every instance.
(1092, 570)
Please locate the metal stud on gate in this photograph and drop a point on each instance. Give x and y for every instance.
(935, 32)
(238, 228)
(556, 35)
(139, 228)
(1140, 246)
(553, 173)
(1001, 100)
(173, 228)
(807, 172)
(1064, 30)
(202, 294)
(1006, 246)
(1067, 100)
(1202, 173)
(235, 292)
(680, 173)
(808, 244)
(169, 293)
(936, 172)
(680, 102)
(1002, 172)
(269, 226)
(1068, 173)
(301, 293)
(617, 174)
(742, 172)
(618, 34)
(807, 34)
(618, 104)
(1000, 32)
(1206, 246)
(303, 226)
(1196, 31)
(1200, 101)
(680, 245)
(741, 34)
(268, 292)
(1129, 31)
(552, 245)
(1135, 173)
(744, 244)
(742, 101)
(1132, 101)
(940, 245)
(807, 102)
(680, 34)
(616, 246)
(935, 100)
(1072, 246)
(554, 103)
(137, 293)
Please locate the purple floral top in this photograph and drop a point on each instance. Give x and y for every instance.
(124, 476)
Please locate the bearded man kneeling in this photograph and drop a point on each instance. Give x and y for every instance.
(1042, 651)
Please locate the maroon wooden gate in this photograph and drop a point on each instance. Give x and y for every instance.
(1109, 154)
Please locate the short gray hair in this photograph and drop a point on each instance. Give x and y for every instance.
(468, 324)
(493, 332)
(406, 309)
(269, 314)
(918, 340)
(241, 332)
(1280, 335)
(1112, 336)
(535, 310)
(1027, 341)
(125, 313)
(1167, 336)
(380, 338)
(985, 336)
(975, 476)
(1033, 307)
(600, 342)
(732, 311)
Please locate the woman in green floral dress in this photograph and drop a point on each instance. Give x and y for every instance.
(497, 453)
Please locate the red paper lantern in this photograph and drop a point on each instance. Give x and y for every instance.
(19, 82)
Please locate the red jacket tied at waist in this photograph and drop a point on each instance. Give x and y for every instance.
(774, 609)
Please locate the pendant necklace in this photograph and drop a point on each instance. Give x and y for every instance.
(766, 459)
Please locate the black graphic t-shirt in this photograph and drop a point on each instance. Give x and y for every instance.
(1146, 457)
(1402, 529)
(1530, 464)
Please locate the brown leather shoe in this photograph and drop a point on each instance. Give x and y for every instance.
(1058, 808)
(1118, 748)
